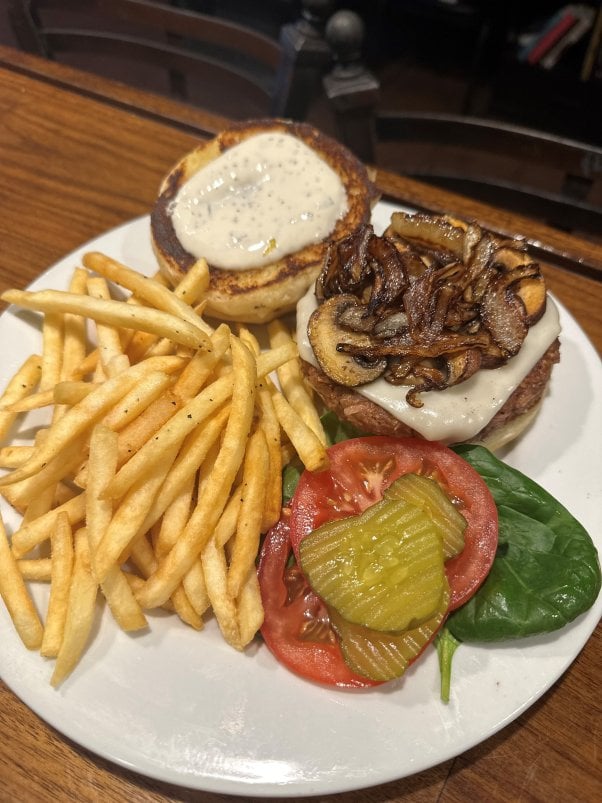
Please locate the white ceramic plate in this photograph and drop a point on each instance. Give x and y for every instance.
(183, 707)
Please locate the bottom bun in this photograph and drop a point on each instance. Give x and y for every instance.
(508, 423)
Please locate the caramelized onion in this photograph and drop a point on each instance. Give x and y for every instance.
(429, 303)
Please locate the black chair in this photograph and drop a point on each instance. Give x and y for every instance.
(548, 177)
(225, 66)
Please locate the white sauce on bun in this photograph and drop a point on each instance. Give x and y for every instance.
(267, 197)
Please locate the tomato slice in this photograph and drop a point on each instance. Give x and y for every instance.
(296, 628)
(361, 468)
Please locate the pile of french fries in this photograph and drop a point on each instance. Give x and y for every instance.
(160, 464)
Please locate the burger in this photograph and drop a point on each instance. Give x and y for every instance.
(260, 203)
(436, 329)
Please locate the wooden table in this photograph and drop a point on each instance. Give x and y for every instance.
(78, 155)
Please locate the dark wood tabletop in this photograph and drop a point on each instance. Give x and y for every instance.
(79, 155)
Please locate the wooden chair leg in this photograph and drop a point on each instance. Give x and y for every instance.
(350, 87)
(306, 57)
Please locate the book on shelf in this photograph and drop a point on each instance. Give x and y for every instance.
(563, 29)
(593, 54)
(572, 36)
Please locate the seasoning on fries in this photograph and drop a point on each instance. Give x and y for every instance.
(160, 464)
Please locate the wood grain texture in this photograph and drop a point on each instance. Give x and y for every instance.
(75, 164)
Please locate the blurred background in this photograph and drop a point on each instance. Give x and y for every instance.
(455, 56)
(440, 90)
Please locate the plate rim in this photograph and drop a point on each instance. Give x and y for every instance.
(239, 787)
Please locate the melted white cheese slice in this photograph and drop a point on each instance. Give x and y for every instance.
(457, 413)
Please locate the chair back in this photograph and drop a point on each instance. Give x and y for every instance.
(539, 174)
(536, 173)
(230, 67)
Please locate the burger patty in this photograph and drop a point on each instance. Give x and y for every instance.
(369, 417)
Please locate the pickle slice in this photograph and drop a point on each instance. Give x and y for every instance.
(428, 495)
(383, 569)
(384, 656)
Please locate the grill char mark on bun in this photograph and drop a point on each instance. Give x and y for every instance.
(257, 295)
(162, 225)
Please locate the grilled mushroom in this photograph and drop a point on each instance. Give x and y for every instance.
(328, 337)
(428, 304)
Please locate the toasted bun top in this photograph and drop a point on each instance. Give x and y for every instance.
(259, 294)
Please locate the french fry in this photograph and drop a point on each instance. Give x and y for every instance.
(310, 449)
(271, 429)
(149, 290)
(21, 385)
(80, 611)
(249, 610)
(56, 469)
(177, 434)
(135, 434)
(193, 284)
(198, 370)
(86, 366)
(248, 530)
(68, 392)
(32, 507)
(52, 350)
(109, 342)
(215, 571)
(174, 518)
(35, 532)
(140, 344)
(272, 359)
(61, 544)
(165, 346)
(117, 364)
(16, 597)
(211, 503)
(292, 383)
(196, 588)
(64, 493)
(171, 434)
(127, 519)
(71, 392)
(35, 569)
(189, 609)
(100, 375)
(143, 558)
(74, 327)
(102, 465)
(82, 415)
(112, 313)
(191, 456)
(15, 456)
(193, 581)
(140, 397)
(136, 583)
(40, 504)
(226, 526)
(140, 552)
(183, 607)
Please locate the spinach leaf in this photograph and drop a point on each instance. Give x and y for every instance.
(546, 571)
(446, 646)
(337, 430)
(290, 479)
